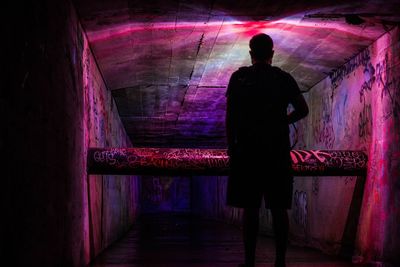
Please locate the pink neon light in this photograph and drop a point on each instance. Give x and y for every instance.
(126, 29)
(228, 25)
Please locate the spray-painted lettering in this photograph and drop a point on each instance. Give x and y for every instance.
(339, 74)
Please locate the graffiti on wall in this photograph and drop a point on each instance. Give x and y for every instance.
(369, 79)
(365, 115)
(300, 210)
(337, 76)
(389, 85)
(323, 130)
(382, 74)
(365, 121)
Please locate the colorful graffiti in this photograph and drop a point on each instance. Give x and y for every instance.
(369, 79)
(174, 161)
(363, 100)
(324, 162)
(162, 160)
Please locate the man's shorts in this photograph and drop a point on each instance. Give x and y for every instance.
(246, 189)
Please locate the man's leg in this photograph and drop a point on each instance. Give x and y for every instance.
(280, 222)
(250, 232)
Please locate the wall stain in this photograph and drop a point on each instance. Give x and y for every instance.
(300, 209)
(326, 134)
(315, 185)
(365, 122)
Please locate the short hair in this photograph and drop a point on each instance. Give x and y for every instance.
(261, 46)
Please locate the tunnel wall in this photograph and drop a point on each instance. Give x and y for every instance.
(357, 107)
(43, 218)
(201, 196)
(209, 199)
(54, 105)
(162, 194)
(113, 200)
(379, 228)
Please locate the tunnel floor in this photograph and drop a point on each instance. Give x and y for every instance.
(177, 240)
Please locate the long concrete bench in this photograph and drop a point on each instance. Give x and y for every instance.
(189, 161)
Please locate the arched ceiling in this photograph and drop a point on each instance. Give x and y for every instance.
(168, 62)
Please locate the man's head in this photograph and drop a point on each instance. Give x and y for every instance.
(261, 47)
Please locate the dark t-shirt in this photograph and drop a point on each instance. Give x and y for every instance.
(258, 98)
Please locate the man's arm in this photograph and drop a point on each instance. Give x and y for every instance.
(300, 109)
(229, 125)
(230, 116)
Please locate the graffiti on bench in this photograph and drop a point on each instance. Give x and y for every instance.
(183, 161)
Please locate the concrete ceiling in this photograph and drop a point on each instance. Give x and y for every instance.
(168, 62)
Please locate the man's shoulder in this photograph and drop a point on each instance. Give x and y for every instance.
(240, 74)
(242, 70)
(279, 70)
(245, 71)
(283, 74)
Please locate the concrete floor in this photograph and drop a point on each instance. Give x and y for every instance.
(181, 240)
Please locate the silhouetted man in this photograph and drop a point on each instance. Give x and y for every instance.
(257, 125)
